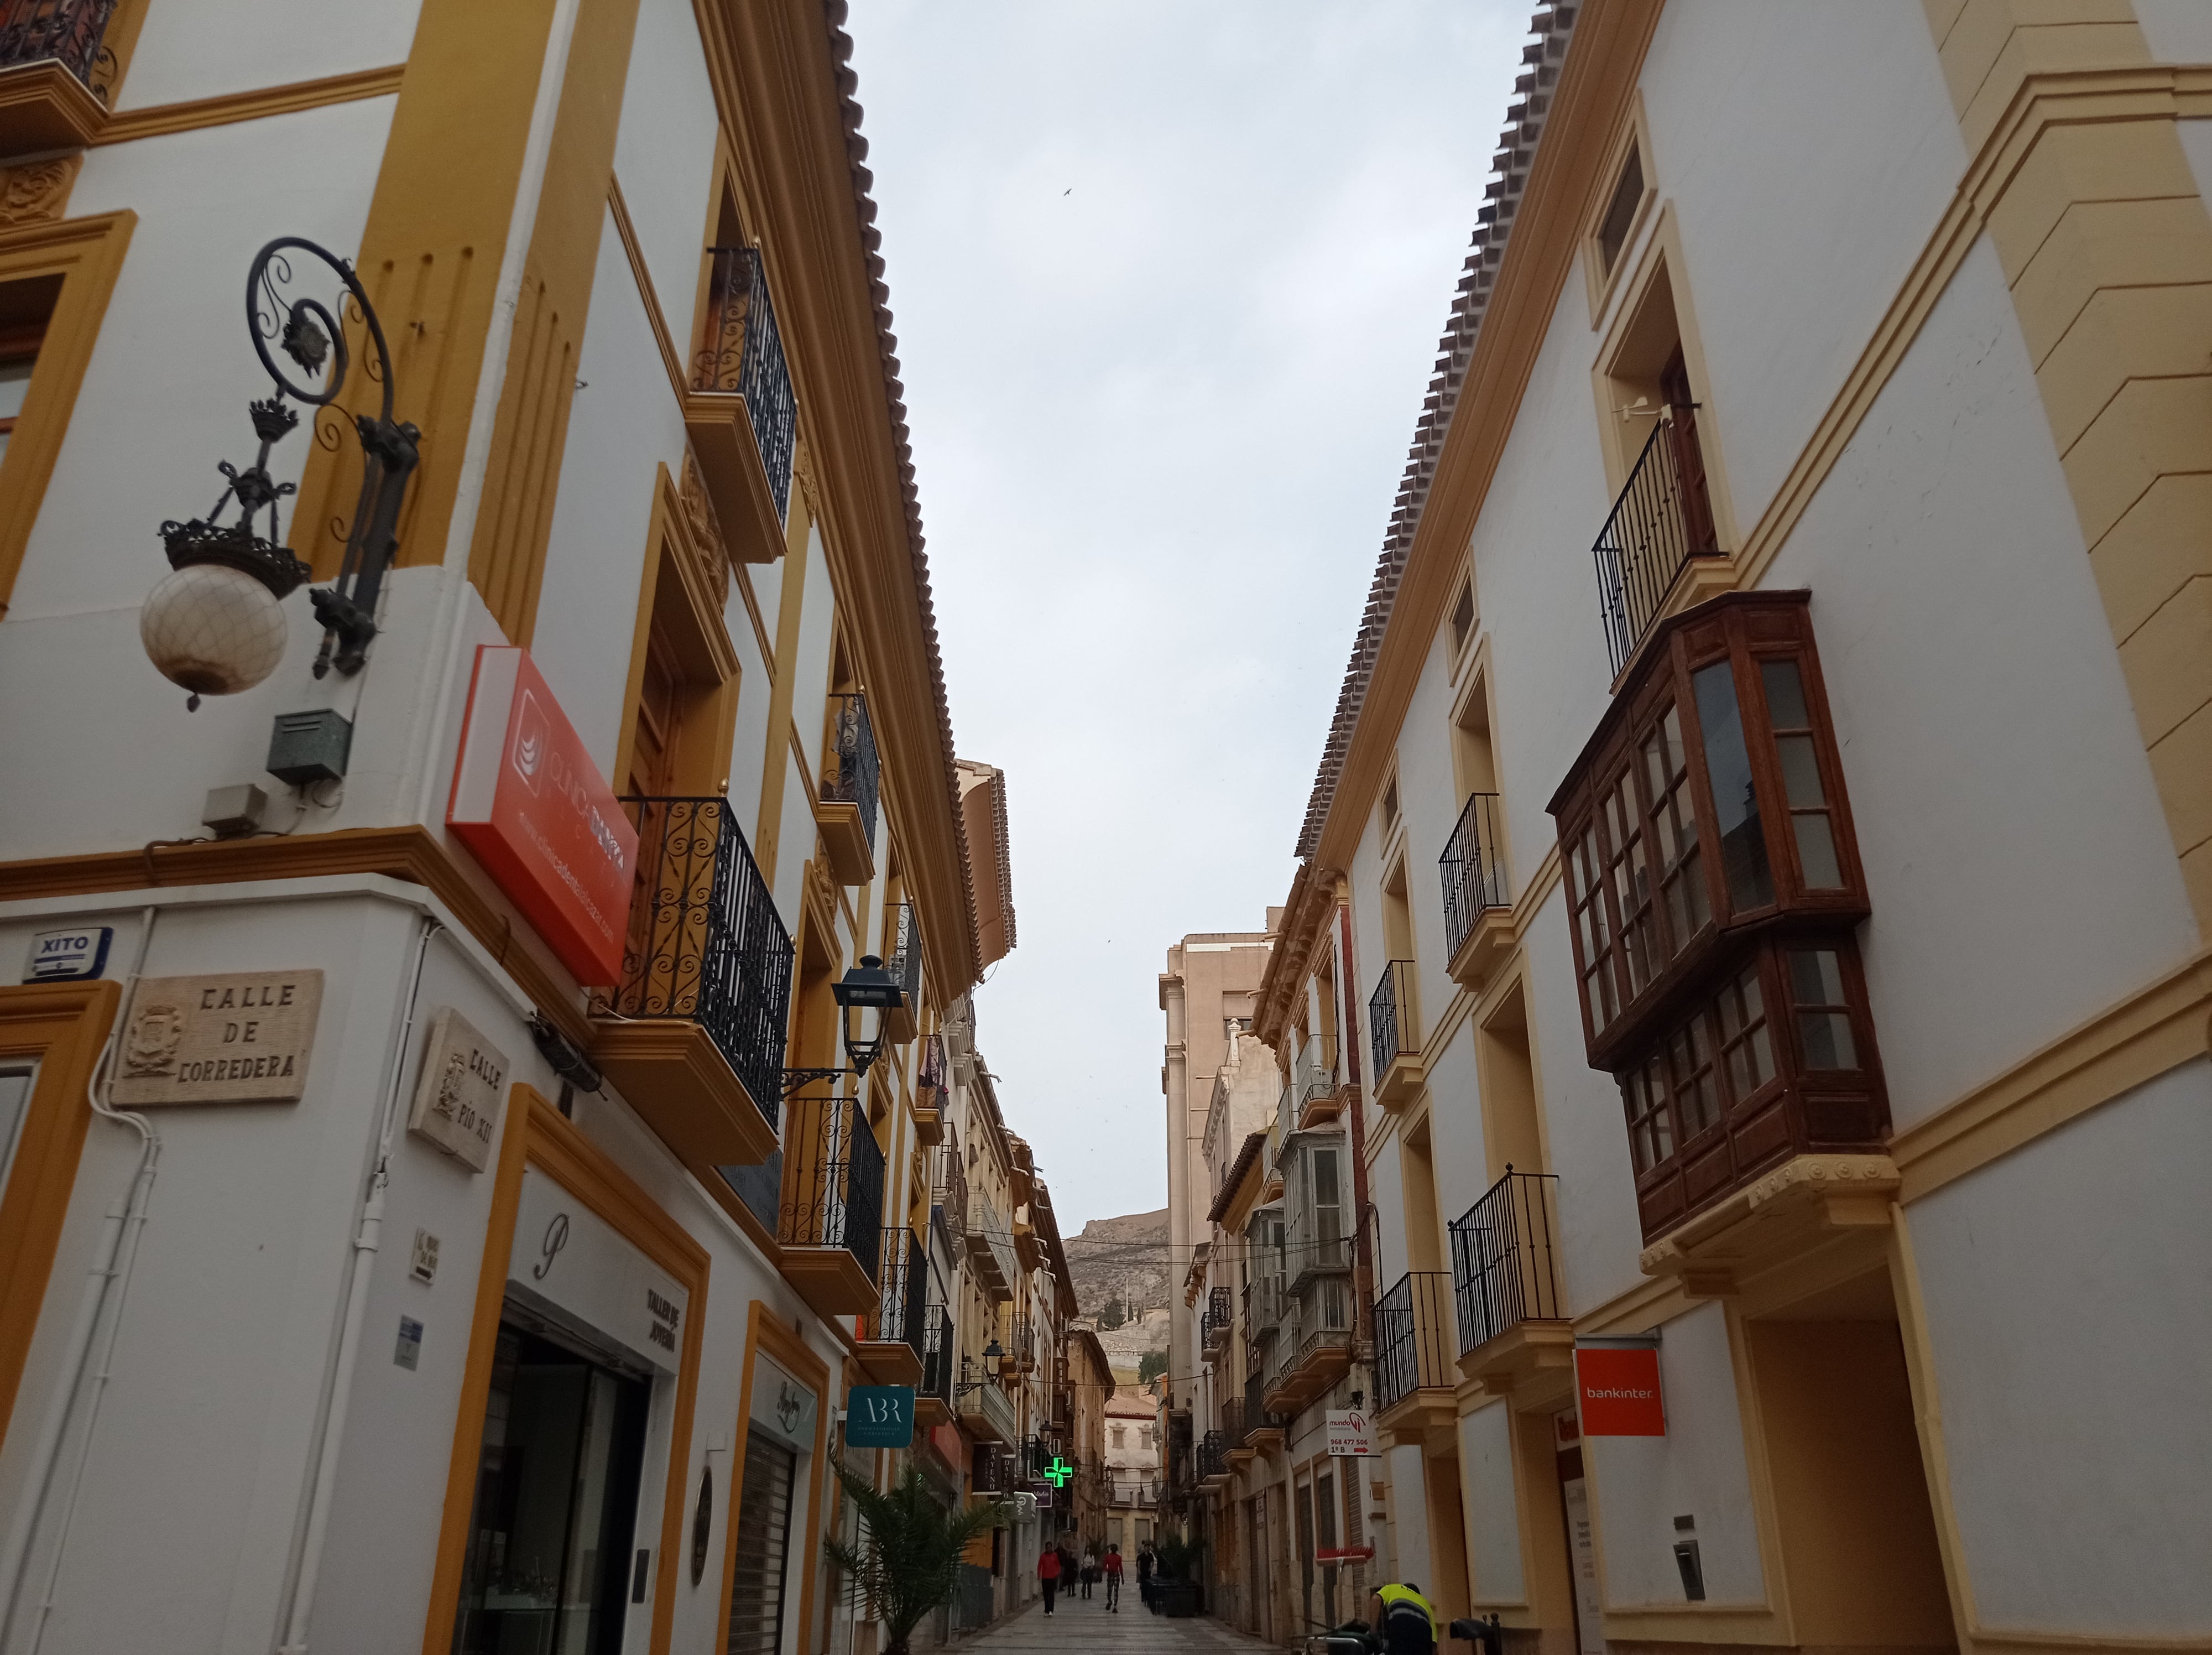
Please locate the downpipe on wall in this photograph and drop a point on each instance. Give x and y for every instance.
(114, 1259)
(368, 1238)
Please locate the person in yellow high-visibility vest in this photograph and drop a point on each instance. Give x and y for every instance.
(1408, 1623)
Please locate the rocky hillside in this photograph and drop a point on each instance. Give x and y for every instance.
(1121, 1258)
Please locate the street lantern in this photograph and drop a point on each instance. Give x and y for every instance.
(866, 993)
(215, 625)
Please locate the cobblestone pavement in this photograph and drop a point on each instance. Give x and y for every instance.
(1081, 1628)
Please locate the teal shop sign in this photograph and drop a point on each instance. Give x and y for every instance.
(879, 1416)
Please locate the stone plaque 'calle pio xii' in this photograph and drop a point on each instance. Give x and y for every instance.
(463, 1087)
(239, 1037)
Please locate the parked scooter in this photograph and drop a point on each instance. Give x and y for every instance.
(1488, 1634)
(1353, 1638)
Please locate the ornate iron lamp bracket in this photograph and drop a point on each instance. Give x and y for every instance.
(793, 1079)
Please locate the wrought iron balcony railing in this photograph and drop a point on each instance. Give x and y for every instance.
(948, 1188)
(1212, 1456)
(1656, 528)
(1390, 1029)
(743, 353)
(1504, 1268)
(1255, 1418)
(859, 769)
(834, 1195)
(1412, 1338)
(929, 1074)
(904, 960)
(1473, 870)
(939, 1354)
(902, 1290)
(706, 943)
(1314, 1073)
(1219, 1314)
(64, 32)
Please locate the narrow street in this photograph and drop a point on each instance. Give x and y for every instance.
(1086, 1628)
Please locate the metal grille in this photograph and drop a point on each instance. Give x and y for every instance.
(764, 1541)
(706, 943)
(930, 1075)
(1503, 1269)
(1473, 870)
(903, 1283)
(64, 32)
(904, 961)
(1411, 1339)
(1645, 545)
(859, 770)
(1316, 1070)
(743, 353)
(835, 1197)
(1391, 1030)
(937, 1353)
(948, 1191)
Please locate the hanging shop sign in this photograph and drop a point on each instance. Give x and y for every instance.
(1617, 1391)
(1349, 1435)
(533, 807)
(72, 955)
(460, 1093)
(783, 1407)
(879, 1416)
(570, 1261)
(241, 1037)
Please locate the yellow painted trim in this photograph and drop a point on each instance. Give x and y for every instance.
(86, 253)
(258, 103)
(63, 1027)
(537, 1135)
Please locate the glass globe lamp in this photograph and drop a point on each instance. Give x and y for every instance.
(212, 629)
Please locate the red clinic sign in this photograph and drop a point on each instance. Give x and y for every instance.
(1617, 1392)
(533, 807)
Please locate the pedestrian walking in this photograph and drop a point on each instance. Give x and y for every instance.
(1089, 1569)
(1145, 1576)
(1048, 1574)
(1112, 1566)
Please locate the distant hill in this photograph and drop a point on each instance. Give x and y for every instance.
(1124, 1258)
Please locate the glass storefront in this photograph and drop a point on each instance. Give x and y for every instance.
(548, 1570)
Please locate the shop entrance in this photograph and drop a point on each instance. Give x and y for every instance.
(548, 1569)
(763, 1543)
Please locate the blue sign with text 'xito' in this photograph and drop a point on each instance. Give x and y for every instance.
(879, 1416)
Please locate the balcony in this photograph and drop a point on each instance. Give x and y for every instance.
(1660, 525)
(989, 1253)
(986, 1413)
(1514, 1335)
(831, 1228)
(891, 1350)
(1478, 907)
(1261, 1317)
(55, 74)
(1213, 1460)
(740, 411)
(1028, 1250)
(1216, 1325)
(902, 960)
(692, 1035)
(933, 1399)
(1314, 1349)
(846, 813)
(1314, 1077)
(1394, 1037)
(1414, 1379)
(1236, 1453)
(1262, 1430)
(929, 1092)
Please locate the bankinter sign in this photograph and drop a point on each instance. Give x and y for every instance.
(532, 807)
(1617, 1392)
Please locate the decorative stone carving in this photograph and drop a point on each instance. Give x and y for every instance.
(802, 467)
(704, 544)
(36, 190)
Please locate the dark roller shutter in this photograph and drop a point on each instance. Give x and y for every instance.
(764, 1541)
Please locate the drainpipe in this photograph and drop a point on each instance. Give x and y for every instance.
(354, 1314)
(114, 1259)
(1363, 1275)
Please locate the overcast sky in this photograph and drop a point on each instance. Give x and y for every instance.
(1169, 280)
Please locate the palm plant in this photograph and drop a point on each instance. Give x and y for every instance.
(905, 1560)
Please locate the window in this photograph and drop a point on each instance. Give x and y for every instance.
(1390, 804)
(1620, 212)
(1675, 834)
(1463, 619)
(1736, 799)
(1797, 750)
(1120, 1436)
(1823, 1009)
(15, 386)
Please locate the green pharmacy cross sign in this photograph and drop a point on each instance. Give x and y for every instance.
(1059, 1472)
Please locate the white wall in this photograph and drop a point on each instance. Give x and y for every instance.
(665, 157)
(2065, 1288)
(1494, 1507)
(1640, 1485)
(203, 48)
(2176, 31)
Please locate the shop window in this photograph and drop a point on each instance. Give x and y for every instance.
(763, 1541)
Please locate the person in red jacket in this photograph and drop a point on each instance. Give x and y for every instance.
(1112, 1564)
(1048, 1574)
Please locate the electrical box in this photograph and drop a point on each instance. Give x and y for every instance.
(306, 747)
(232, 813)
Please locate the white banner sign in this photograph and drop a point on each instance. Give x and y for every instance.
(566, 1255)
(1349, 1435)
